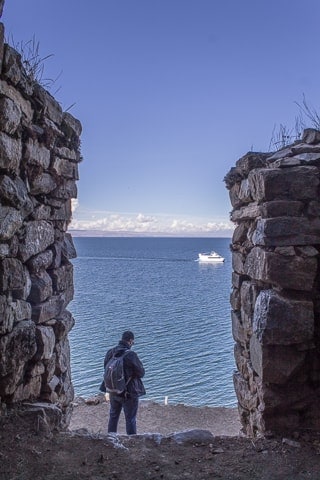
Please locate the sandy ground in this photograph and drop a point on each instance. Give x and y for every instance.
(156, 418)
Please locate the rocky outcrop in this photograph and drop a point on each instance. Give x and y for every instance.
(39, 157)
(275, 286)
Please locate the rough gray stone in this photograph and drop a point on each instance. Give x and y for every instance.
(287, 231)
(63, 325)
(281, 208)
(273, 363)
(12, 93)
(10, 222)
(282, 321)
(68, 250)
(39, 262)
(245, 397)
(65, 191)
(238, 260)
(62, 278)
(47, 310)
(38, 237)
(41, 287)
(11, 274)
(50, 107)
(71, 126)
(62, 349)
(291, 272)
(311, 136)
(10, 115)
(65, 168)
(10, 153)
(297, 183)
(42, 184)
(14, 191)
(16, 349)
(45, 342)
(12, 65)
(246, 213)
(37, 154)
(192, 437)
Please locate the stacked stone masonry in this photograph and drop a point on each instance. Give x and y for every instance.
(275, 295)
(39, 157)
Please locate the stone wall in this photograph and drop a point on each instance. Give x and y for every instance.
(39, 157)
(275, 286)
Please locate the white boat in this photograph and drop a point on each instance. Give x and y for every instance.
(210, 257)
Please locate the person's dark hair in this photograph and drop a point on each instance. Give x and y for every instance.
(127, 336)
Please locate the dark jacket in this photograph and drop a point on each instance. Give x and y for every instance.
(133, 368)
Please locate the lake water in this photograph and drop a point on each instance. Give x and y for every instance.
(177, 308)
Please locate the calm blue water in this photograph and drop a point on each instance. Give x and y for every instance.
(177, 307)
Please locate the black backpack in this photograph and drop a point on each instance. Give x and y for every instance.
(114, 378)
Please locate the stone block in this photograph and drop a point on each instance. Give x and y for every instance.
(278, 398)
(62, 350)
(42, 184)
(37, 154)
(275, 363)
(287, 231)
(14, 191)
(237, 279)
(245, 192)
(240, 233)
(248, 297)
(62, 277)
(235, 299)
(10, 153)
(288, 272)
(71, 126)
(296, 183)
(41, 287)
(308, 157)
(47, 310)
(41, 212)
(238, 260)
(10, 117)
(279, 320)
(39, 262)
(50, 107)
(251, 161)
(24, 105)
(38, 237)
(62, 214)
(65, 152)
(244, 395)
(11, 274)
(65, 168)
(67, 190)
(16, 349)
(10, 222)
(281, 208)
(248, 212)
(238, 331)
(63, 324)
(12, 65)
(45, 342)
(311, 136)
(68, 249)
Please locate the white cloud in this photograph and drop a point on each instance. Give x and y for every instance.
(111, 223)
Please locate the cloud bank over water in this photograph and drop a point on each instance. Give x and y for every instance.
(106, 223)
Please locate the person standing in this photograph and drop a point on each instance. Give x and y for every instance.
(129, 400)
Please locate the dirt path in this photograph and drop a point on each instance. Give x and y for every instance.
(156, 418)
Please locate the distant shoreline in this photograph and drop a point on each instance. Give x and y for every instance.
(102, 234)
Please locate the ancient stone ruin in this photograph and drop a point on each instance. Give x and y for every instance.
(275, 286)
(39, 157)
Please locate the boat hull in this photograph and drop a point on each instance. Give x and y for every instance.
(210, 258)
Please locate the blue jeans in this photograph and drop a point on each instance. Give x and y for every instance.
(130, 408)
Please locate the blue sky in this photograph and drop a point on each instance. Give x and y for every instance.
(170, 94)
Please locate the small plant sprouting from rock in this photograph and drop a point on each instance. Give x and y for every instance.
(309, 112)
(282, 135)
(33, 62)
